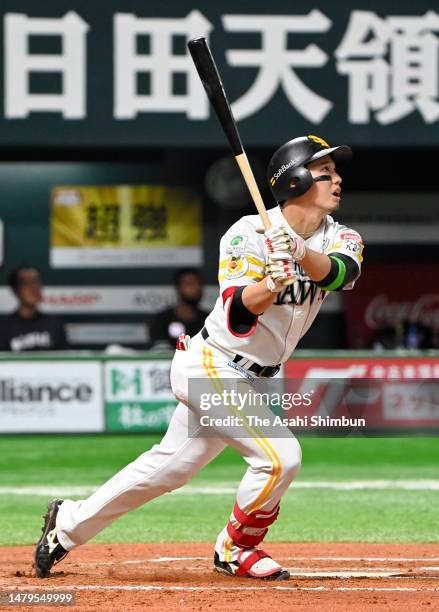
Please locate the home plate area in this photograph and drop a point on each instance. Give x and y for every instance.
(327, 577)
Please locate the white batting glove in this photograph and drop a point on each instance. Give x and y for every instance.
(279, 268)
(278, 239)
(298, 248)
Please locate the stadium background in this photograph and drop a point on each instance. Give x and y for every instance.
(390, 195)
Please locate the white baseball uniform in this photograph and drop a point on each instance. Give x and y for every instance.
(272, 462)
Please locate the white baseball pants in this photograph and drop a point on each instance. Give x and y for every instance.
(272, 462)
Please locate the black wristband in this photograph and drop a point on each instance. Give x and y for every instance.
(343, 271)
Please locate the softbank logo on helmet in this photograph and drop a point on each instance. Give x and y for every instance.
(281, 170)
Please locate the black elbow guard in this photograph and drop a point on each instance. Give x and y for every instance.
(242, 322)
(343, 271)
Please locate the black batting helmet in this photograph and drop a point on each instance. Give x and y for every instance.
(288, 165)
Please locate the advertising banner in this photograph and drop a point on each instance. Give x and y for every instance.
(366, 76)
(138, 395)
(134, 299)
(108, 334)
(390, 393)
(389, 296)
(125, 226)
(51, 397)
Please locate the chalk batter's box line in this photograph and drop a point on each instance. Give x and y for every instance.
(147, 587)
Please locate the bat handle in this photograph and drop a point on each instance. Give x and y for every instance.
(250, 180)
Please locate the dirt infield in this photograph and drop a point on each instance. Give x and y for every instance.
(179, 577)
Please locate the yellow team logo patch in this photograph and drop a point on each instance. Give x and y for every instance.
(319, 141)
(237, 264)
(236, 267)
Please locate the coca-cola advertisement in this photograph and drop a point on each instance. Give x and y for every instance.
(394, 306)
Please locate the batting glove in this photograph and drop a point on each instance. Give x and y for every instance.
(279, 269)
(278, 239)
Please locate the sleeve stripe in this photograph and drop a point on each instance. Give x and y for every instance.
(249, 273)
(253, 260)
(256, 262)
(339, 279)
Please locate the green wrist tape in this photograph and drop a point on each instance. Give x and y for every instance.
(340, 278)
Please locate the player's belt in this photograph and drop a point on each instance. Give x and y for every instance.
(252, 366)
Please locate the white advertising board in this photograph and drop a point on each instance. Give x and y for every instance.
(51, 396)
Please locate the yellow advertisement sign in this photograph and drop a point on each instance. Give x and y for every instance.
(125, 226)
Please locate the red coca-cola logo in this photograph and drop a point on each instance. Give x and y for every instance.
(382, 311)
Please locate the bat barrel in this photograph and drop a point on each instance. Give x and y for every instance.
(211, 80)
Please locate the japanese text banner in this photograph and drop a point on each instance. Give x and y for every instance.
(368, 77)
(124, 226)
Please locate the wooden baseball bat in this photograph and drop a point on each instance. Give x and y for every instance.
(209, 75)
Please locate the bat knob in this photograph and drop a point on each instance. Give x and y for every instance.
(200, 40)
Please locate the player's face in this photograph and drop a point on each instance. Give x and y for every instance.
(325, 194)
(29, 287)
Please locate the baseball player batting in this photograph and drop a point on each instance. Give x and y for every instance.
(254, 327)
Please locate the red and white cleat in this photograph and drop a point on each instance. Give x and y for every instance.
(251, 563)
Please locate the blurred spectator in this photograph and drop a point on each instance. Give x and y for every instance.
(183, 318)
(27, 329)
(406, 335)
